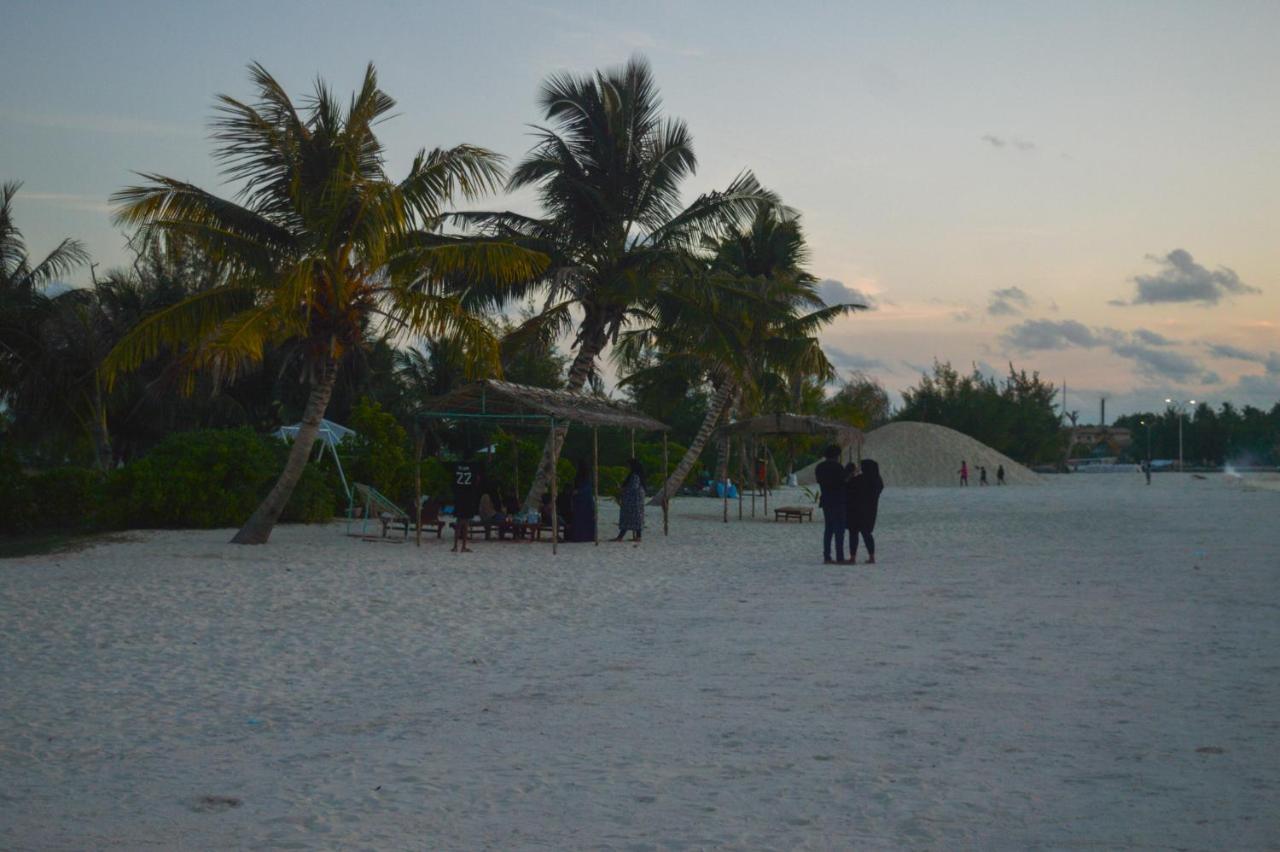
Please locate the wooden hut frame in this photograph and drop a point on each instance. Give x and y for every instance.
(749, 431)
(498, 401)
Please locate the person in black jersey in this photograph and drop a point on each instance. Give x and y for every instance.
(468, 485)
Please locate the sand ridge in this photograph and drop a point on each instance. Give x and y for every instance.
(925, 454)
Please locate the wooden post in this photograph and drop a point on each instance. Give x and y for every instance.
(633, 442)
(754, 484)
(595, 480)
(665, 499)
(417, 484)
(742, 457)
(555, 521)
(727, 449)
(515, 460)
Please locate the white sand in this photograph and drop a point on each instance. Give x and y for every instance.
(925, 454)
(1093, 663)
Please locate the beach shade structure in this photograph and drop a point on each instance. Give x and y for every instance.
(748, 431)
(510, 404)
(330, 435)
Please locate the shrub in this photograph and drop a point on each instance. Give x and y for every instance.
(381, 455)
(611, 479)
(66, 498)
(16, 501)
(212, 478)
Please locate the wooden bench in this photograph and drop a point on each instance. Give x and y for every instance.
(786, 513)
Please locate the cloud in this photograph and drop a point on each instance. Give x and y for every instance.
(86, 123)
(1010, 301)
(1138, 346)
(1161, 363)
(1036, 335)
(835, 292)
(1181, 279)
(1008, 141)
(70, 201)
(1270, 361)
(1150, 337)
(852, 360)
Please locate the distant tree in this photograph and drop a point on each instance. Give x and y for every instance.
(861, 400)
(1016, 417)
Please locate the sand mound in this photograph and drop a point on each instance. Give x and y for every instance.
(924, 454)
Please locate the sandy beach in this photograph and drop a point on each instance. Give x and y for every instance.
(1093, 663)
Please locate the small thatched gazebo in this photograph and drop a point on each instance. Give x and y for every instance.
(499, 401)
(747, 431)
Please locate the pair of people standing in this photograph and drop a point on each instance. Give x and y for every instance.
(850, 499)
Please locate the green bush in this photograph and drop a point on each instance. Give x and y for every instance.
(16, 501)
(66, 498)
(611, 479)
(381, 456)
(212, 478)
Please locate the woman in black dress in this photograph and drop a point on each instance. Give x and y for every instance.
(864, 501)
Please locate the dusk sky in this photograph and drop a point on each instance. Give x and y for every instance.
(1088, 190)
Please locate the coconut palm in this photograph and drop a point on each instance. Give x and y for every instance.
(753, 331)
(22, 284)
(320, 247)
(608, 171)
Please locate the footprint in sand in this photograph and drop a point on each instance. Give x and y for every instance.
(214, 804)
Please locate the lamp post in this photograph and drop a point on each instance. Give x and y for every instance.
(1180, 410)
(1147, 423)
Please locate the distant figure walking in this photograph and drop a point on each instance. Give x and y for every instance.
(1146, 469)
(1000, 474)
(982, 476)
(833, 500)
(864, 501)
(631, 512)
(964, 473)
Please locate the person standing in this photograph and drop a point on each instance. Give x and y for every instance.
(864, 503)
(1000, 474)
(964, 472)
(1146, 469)
(833, 500)
(582, 525)
(631, 503)
(982, 476)
(468, 486)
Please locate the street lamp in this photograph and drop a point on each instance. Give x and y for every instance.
(1180, 407)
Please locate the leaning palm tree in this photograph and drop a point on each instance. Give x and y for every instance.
(608, 172)
(320, 248)
(752, 332)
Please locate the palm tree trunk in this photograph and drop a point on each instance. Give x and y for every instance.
(578, 374)
(715, 408)
(257, 530)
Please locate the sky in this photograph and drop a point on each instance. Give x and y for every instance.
(1087, 189)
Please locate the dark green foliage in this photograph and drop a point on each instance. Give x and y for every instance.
(16, 502)
(1240, 436)
(210, 478)
(66, 498)
(1016, 417)
(611, 478)
(382, 456)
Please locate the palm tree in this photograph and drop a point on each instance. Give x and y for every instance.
(608, 172)
(319, 245)
(752, 333)
(22, 284)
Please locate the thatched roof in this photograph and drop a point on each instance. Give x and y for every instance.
(490, 398)
(792, 424)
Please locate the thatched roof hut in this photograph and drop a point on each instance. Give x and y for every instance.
(506, 401)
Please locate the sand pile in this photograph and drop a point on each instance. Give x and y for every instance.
(924, 454)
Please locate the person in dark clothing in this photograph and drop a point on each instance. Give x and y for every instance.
(864, 502)
(583, 525)
(1000, 474)
(468, 485)
(982, 476)
(833, 500)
